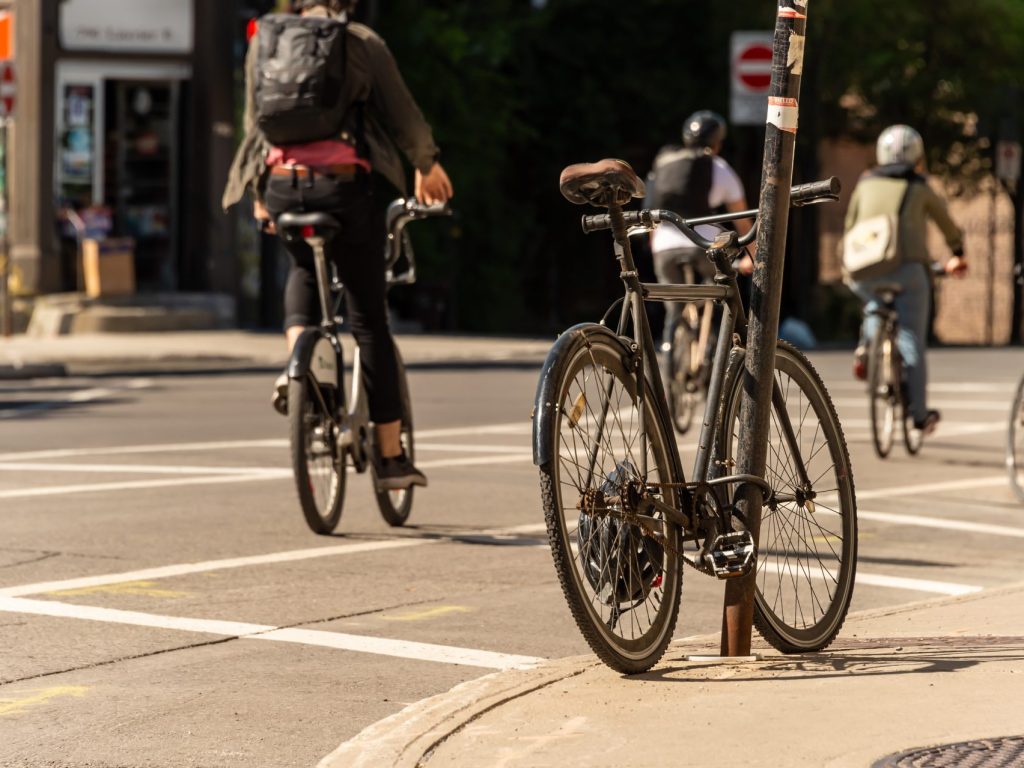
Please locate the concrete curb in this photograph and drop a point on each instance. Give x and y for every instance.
(404, 739)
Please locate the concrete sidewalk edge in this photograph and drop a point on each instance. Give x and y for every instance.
(404, 739)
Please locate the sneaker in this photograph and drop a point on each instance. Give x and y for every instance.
(860, 363)
(398, 473)
(931, 421)
(280, 397)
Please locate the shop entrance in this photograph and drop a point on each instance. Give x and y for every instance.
(119, 160)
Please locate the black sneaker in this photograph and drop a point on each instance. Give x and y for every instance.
(280, 397)
(931, 421)
(398, 473)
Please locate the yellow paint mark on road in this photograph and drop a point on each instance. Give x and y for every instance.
(431, 613)
(39, 696)
(135, 588)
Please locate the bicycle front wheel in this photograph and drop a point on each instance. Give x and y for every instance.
(317, 460)
(622, 583)
(395, 506)
(807, 545)
(883, 390)
(1015, 443)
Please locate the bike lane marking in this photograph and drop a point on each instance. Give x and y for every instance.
(289, 556)
(872, 579)
(938, 522)
(381, 646)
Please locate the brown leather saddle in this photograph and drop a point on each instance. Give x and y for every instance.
(604, 183)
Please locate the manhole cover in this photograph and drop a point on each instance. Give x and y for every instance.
(1006, 752)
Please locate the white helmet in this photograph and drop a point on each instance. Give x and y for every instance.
(899, 144)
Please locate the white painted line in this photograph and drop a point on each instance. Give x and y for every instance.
(468, 448)
(938, 522)
(68, 453)
(872, 579)
(113, 616)
(289, 556)
(923, 488)
(403, 649)
(949, 388)
(128, 469)
(139, 485)
(951, 405)
(475, 462)
(515, 428)
(81, 396)
(375, 645)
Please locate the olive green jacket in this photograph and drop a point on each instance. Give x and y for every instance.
(393, 121)
(877, 195)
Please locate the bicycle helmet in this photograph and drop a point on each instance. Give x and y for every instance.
(704, 129)
(621, 564)
(334, 6)
(899, 144)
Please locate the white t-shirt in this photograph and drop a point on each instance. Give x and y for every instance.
(726, 188)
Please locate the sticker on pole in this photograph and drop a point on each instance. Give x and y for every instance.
(8, 89)
(784, 113)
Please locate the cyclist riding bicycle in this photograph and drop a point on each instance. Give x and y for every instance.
(693, 181)
(326, 106)
(897, 187)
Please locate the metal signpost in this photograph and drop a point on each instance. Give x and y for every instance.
(755, 409)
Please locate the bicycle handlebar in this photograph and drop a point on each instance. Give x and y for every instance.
(800, 195)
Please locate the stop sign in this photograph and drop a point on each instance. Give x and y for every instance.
(752, 68)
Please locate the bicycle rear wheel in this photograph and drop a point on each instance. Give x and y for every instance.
(395, 506)
(682, 390)
(622, 585)
(317, 460)
(1015, 443)
(883, 390)
(807, 546)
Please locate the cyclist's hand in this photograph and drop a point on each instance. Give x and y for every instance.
(956, 266)
(262, 216)
(434, 186)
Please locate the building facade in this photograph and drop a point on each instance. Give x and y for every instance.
(126, 116)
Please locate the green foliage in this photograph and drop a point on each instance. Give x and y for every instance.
(516, 94)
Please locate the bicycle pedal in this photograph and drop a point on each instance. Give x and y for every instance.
(731, 555)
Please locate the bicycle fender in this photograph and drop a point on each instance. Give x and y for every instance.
(317, 354)
(546, 401)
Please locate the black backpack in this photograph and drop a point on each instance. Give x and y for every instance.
(300, 74)
(681, 181)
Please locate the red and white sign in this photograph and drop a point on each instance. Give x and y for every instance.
(8, 89)
(1008, 160)
(751, 68)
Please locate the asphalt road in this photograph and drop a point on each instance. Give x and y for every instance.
(162, 602)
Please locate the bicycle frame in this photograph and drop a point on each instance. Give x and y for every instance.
(732, 332)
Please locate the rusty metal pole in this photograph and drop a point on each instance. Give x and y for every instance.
(766, 298)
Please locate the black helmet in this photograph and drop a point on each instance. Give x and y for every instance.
(704, 129)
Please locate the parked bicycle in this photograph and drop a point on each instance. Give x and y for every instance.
(328, 427)
(622, 520)
(888, 394)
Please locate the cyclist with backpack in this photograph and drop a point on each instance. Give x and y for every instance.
(692, 180)
(325, 107)
(897, 191)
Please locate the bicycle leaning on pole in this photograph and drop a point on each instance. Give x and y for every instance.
(622, 520)
(326, 426)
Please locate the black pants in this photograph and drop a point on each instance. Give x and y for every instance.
(358, 254)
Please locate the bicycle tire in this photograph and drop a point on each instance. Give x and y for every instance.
(881, 391)
(681, 385)
(312, 441)
(608, 570)
(395, 506)
(789, 534)
(1015, 443)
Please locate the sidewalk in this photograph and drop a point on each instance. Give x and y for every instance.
(900, 679)
(26, 357)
